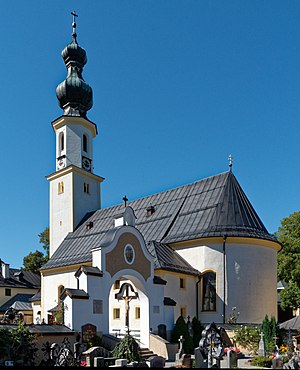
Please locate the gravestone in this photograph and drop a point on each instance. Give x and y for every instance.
(277, 362)
(98, 361)
(187, 361)
(231, 359)
(200, 362)
(261, 346)
(162, 331)
(88, 331)
(180, 352)
(109, 361)
(90, 354)
(156, 361)
(121, 362)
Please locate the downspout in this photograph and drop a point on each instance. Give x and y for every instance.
(197, 296)
(224, 278)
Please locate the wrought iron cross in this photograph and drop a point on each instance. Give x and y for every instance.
(125, 200)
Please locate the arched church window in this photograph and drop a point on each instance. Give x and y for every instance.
(85, 143)
(61, 141)
(209, 291)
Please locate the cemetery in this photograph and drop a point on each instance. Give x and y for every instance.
(230, 345)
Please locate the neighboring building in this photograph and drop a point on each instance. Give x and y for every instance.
(196, 250)
(17, 286)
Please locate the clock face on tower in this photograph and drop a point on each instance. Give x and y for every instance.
(61, 163)
(86, 164)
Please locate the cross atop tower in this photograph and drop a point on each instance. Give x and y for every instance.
(74, 24)
(230, 162)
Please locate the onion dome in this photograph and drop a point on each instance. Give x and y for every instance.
(74, 95)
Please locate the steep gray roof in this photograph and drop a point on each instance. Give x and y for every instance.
(19, 299)
(215, 206)
(19, 278)
(168, 259)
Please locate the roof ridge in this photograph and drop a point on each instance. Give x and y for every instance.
(165, 191)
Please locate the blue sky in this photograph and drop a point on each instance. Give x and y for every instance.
(178, 86)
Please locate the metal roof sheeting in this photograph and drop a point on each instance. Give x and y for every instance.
(215, 206)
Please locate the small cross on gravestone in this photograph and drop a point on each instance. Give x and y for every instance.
(261, 346)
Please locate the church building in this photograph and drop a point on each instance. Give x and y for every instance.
(196, 250)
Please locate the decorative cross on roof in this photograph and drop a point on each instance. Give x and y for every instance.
(125, 200)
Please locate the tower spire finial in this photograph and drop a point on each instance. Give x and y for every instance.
(74, 35)
(230, 162)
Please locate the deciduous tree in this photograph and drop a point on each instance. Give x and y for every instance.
(34, 260)
(289, 260)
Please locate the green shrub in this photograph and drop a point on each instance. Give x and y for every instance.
(127, 348)
(261, 361)
(270, 329)
(197, 331)
(247, 337)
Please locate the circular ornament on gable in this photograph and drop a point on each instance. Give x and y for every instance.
(129, 254)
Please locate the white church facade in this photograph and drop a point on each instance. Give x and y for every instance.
(196, 250)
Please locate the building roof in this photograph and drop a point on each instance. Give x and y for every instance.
(19, 278)
(293, 324)
(36, 297)
(17, 301)
(167, 258)
(74, 293)
(214, 206)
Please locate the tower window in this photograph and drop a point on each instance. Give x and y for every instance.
(61, 187)
(8, 292)
(86, 188)
(209, 291)
(61, 141)
(84, 143)
(182, 283)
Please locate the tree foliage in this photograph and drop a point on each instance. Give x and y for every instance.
(197, 331)
(289, 260)
(35, 260)
(17, 344)
(247, 337)
(270, 329)
(127, 348)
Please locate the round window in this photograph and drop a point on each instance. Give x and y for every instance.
(129, 254)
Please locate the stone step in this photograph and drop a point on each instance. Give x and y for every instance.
(145, 353)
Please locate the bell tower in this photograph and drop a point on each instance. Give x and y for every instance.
(74, 188)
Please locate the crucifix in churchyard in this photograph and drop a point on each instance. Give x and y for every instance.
(126, 293)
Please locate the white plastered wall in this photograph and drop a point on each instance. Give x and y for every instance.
(73, 134)
(49, 289)
(61, 210)
(251, 279)
(184, 297)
